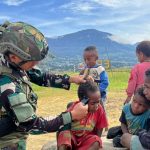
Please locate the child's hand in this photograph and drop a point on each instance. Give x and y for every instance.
(79, 111)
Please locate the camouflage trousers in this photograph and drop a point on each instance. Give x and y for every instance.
(21, 145)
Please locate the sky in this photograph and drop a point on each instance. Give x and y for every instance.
(127, 20)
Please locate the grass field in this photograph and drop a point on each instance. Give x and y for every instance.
(53, 101)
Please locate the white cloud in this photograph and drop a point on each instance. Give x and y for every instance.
(102, 21)
(108, 3)
(78, 6)
(119, 39)
(69, 18)
(14, 2)
(47, 23)
(122, 4)
(137, 37)
(56, 22)
(5, 18)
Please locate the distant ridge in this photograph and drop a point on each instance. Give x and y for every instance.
(71, 46)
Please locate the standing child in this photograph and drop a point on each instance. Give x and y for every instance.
(98, 72)
(85, 134)
(137, 72)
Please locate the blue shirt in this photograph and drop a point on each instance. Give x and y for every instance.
(134, 122)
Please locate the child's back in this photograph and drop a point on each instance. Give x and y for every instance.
(137, 77)
(137, 73)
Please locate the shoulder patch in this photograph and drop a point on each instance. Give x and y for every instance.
(5, 80)
(6, 83)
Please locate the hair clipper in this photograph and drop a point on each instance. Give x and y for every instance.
(85, 101)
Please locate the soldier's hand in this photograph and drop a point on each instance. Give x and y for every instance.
(77, 79)
(79, 111)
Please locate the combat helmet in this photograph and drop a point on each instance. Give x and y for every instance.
(23, 40)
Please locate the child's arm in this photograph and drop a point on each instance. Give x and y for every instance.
(131, 84)
(103, 81)
(124, 128)
(128, 99)
(102, 121)
(99, 132)
(123, 123)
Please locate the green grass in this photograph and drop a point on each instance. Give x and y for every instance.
(118, 80)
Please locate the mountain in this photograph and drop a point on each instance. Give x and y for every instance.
(71, 46)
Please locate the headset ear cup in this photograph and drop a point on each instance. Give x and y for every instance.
(3, 27)
(1, 34)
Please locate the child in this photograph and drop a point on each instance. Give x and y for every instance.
(98, 72)
(142, 139)
(85, 134)
(136, 116)
(137, 72)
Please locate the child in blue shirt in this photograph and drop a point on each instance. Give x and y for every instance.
(135, 116)
(98, 72)
(142, 139)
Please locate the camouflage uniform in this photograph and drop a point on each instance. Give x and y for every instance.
(17, 98)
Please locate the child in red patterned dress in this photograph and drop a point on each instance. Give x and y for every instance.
(85, 134)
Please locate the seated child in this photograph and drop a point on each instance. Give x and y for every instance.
(85, 134)
(136, 116)
(141, 141)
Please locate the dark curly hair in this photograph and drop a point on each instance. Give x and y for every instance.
(85, 88)
(144, 47)
(91, 49)
(140, 91)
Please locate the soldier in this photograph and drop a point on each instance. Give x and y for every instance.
(22, 46)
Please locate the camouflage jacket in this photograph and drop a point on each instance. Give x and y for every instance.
(16, 83)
